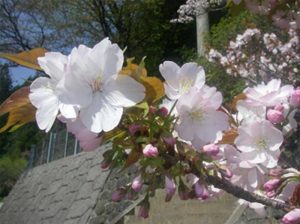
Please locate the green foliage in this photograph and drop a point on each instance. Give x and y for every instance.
(10, 170)
(227, 29)
(216, 76)
(5, 82)
(220, 35)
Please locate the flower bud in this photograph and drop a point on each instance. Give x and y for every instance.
(295, 97)
(183, 191)
(137, 184)
(276, 172)
(118, 195)
(275, 116)
(211, 149)
(150, 151)
(170, 141)
(152, 109)
(133, 128)
(279, 107)
(293, 217)
(143, 212)
(163, 111)
(201, 191)
(170, 188)
(104, 164)
(227, 173)
(271, 194)
(271, 185)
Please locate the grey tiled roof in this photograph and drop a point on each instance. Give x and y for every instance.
(65, 191)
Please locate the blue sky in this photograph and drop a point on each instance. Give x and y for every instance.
(19, 73)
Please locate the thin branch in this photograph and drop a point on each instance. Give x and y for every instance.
(241, 193)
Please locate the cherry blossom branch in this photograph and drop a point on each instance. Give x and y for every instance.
(246, 195)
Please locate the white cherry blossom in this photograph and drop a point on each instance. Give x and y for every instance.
(44, 94)
(259, 143)
(200, 120)
(92, 84)
(179, 80)
(270, 94)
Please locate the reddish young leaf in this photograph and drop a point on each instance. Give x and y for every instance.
(19, 108)
(229, 137)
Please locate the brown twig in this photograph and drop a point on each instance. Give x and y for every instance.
(243, 194)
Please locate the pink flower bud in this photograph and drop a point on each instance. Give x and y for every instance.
(227, 173)
(201, 191)
(279, 107)
(137, 184)
(170, 188)
(276, 172)
(295, 97)
(104, 164)
(293, 217)
(152, 109)
(118, 195)
(150, 151)
(271, 194)
(170, 141)
(211, 149)
(271, 185)
(275, 116)
(163, 111)
(143, 212)
(183, 192)
(133, 128)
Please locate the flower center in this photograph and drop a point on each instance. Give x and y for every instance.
(185, 84)
(197, 115)
(96, 85)
(262, 143)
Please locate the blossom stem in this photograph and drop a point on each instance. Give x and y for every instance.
(172, 108)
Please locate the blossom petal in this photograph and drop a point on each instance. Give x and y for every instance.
(169, 70)
(124, 91)
(194, 72)
(100, 115)
(53, 63)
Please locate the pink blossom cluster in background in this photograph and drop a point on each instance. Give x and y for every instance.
(282, 12)
(258, 56)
